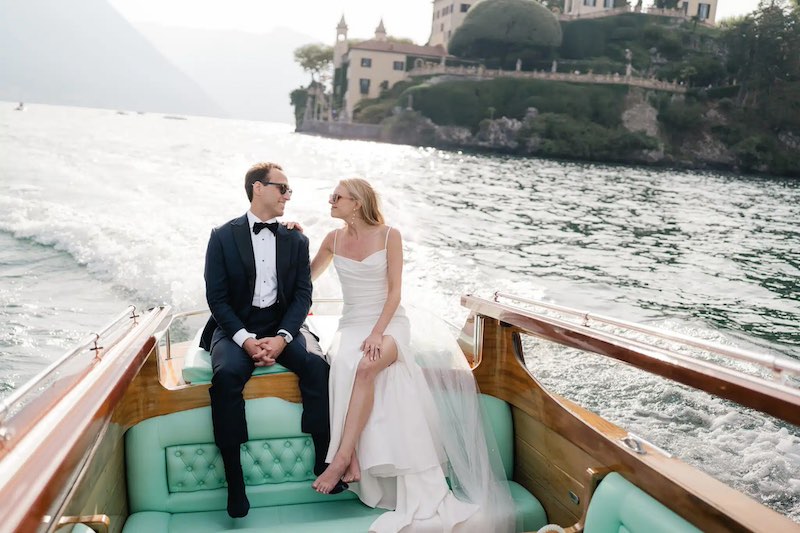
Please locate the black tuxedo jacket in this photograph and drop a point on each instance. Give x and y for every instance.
(230, 275)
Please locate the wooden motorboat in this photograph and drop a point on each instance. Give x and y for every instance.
(116, 434)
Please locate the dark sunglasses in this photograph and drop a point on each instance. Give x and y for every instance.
(282, 187)
(333, 198)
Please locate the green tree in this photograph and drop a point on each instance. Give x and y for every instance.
(764, 50)
(299, 98)
(314, 59)
(502, 31)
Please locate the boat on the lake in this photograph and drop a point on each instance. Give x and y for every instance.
(116, 434)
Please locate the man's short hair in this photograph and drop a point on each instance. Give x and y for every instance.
(258, 172)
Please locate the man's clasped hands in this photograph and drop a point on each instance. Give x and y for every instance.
(264, 351)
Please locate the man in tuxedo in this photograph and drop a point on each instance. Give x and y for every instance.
(258, 287)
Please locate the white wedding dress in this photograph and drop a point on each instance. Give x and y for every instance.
(399, 458)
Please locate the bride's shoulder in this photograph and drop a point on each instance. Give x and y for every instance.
(392, 233)
(327, 241)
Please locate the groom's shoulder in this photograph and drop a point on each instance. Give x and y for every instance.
(297, 236)
(229, 225)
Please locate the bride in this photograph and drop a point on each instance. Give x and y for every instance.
(393, 425)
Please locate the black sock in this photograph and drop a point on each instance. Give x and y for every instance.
(321, 442)
(238, 504)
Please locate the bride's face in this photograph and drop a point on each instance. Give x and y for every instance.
(342, 204)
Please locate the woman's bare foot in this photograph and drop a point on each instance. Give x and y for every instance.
(353, 472)
(331, 476)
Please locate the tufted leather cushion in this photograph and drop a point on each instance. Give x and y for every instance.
(176, 479)
(199, 466)
(154, 474)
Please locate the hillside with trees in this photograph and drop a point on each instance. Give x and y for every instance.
(740, 109)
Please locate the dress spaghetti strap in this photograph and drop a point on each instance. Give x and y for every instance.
(386, 242)
(335, 233)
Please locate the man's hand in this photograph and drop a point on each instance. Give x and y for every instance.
(253, 348)
(272, 348)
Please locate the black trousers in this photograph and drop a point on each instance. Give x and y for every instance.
(232, 369)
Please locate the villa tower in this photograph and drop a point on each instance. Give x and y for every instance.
(448, 15)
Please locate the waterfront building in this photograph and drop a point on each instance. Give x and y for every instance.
(447, 16)
(704, 10)
(364, 69)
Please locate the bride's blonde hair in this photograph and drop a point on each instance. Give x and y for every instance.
(363, 192)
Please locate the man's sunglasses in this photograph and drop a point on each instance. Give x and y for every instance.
(282, 187)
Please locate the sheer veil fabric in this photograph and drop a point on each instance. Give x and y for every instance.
(471, 457)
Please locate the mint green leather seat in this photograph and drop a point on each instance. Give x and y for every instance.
(176, 480)
(619, 506)
(197, 364)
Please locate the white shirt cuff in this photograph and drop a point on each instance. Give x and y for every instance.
(242, 335)
(288, 335)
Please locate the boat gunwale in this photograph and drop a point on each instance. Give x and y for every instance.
(41, 465)
(749, 391)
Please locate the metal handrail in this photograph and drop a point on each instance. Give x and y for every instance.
(19, 394)
(775, 363)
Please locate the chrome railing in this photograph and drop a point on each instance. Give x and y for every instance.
(98, 342)
(776, 363)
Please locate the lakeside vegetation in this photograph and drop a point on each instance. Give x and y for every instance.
(741, 110)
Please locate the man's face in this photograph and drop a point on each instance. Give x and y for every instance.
(273, 193)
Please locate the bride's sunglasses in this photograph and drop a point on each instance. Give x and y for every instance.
(333, 198)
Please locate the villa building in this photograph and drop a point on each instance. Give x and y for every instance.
(447, 16)
(365, 69)
(704, 10)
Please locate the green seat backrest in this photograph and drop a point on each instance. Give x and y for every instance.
(173, 465)
(619, 506)
(497, 417)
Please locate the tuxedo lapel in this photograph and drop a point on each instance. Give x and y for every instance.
(283, 248)
(241, 234)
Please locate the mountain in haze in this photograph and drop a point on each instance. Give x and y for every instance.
(250, 75)
(84, 53)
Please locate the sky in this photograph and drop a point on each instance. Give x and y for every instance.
(315, 18)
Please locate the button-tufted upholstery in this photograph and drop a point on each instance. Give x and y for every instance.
(176, 478)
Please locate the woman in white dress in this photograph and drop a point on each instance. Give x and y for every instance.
(383, 423)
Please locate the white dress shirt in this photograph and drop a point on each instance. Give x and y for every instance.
(266, 288)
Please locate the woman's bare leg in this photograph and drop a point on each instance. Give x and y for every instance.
(358, 411)
(353, 473)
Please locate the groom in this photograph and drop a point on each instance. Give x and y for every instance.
(258, 287)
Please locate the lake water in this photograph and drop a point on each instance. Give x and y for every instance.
(99, 209)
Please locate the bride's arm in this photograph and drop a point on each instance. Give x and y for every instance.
(394, 253)
(324, 256)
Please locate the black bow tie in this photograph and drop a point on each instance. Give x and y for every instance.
(258, 226)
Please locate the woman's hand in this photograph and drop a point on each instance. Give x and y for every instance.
(372, 346)
(293, 225)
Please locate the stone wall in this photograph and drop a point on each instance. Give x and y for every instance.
(341, 130)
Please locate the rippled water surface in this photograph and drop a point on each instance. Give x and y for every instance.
(99, 209)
